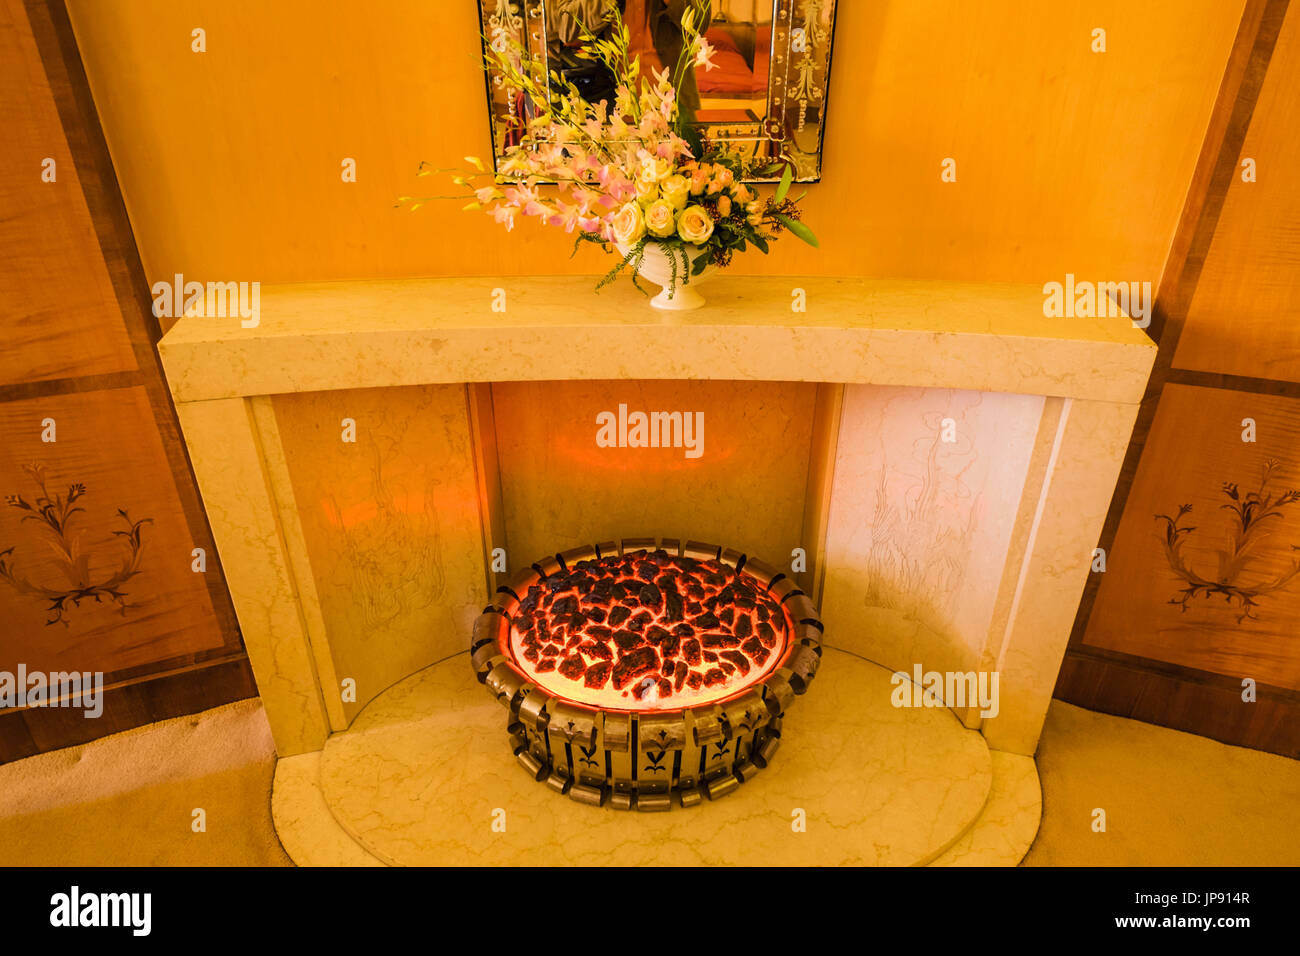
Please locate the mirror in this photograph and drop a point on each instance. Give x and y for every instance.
(765, 93)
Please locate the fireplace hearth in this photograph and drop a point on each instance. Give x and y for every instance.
(634, 673)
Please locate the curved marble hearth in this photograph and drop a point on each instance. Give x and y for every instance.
(418, 776)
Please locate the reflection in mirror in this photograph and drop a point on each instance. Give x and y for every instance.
(763, 87)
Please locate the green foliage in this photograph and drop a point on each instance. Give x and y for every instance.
(798, 229)
(633, 258)
(783, 187)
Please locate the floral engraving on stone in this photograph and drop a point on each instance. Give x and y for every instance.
(393, 560)
(926, 516)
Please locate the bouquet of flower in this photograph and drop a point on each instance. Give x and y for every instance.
(631, 173)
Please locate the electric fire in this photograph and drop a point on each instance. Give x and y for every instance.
(632, 673)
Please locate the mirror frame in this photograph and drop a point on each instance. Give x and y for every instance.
(798, 82)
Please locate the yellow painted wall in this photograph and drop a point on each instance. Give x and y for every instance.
(1068, 160)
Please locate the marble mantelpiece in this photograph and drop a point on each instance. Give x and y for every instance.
(1042, 408)
(985, 337)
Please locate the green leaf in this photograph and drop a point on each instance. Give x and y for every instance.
(798, 229)
(692, 136)
(471, 205)
(760, 243)
(783, 187)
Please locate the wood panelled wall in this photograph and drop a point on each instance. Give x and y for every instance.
(99, 516)
(1198, 610)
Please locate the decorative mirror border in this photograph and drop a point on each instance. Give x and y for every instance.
(798, 82)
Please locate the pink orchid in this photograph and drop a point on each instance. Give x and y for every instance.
(520, 196)
(504, 215)
(566, 216)
(704, 55)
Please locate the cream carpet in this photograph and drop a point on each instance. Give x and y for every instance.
(129, 799)
(1170, 798)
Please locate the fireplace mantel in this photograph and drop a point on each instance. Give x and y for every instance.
(925, 333)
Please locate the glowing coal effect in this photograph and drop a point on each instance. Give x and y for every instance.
(647, 631)
(638, 672)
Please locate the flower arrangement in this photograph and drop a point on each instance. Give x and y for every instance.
(633, 174)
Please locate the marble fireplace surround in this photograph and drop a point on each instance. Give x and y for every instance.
(1054, 400)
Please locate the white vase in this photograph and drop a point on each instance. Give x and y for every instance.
(656, 267)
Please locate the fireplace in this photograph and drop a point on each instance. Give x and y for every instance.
(640, 672)
(359, 568)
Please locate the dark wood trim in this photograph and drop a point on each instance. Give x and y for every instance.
(1143, 693)
(1236, 383)
(26, 733)
(69, 386)
(1189, 675)
(1243, 78)
(1239, 91)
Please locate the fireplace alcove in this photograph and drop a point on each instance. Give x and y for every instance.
(931, 460)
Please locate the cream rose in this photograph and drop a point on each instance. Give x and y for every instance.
(646, 193)
(676, 189)
(660, 219)
(694, 224)
(653, 170)
(629, 224)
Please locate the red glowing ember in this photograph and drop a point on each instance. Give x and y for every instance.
(647, 631)
(640, 674)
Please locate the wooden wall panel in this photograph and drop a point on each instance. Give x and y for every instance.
(83, 614)
(1223, 594)
(79, 350)
(59, 310)
(1133, 653)
(1245, 317)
